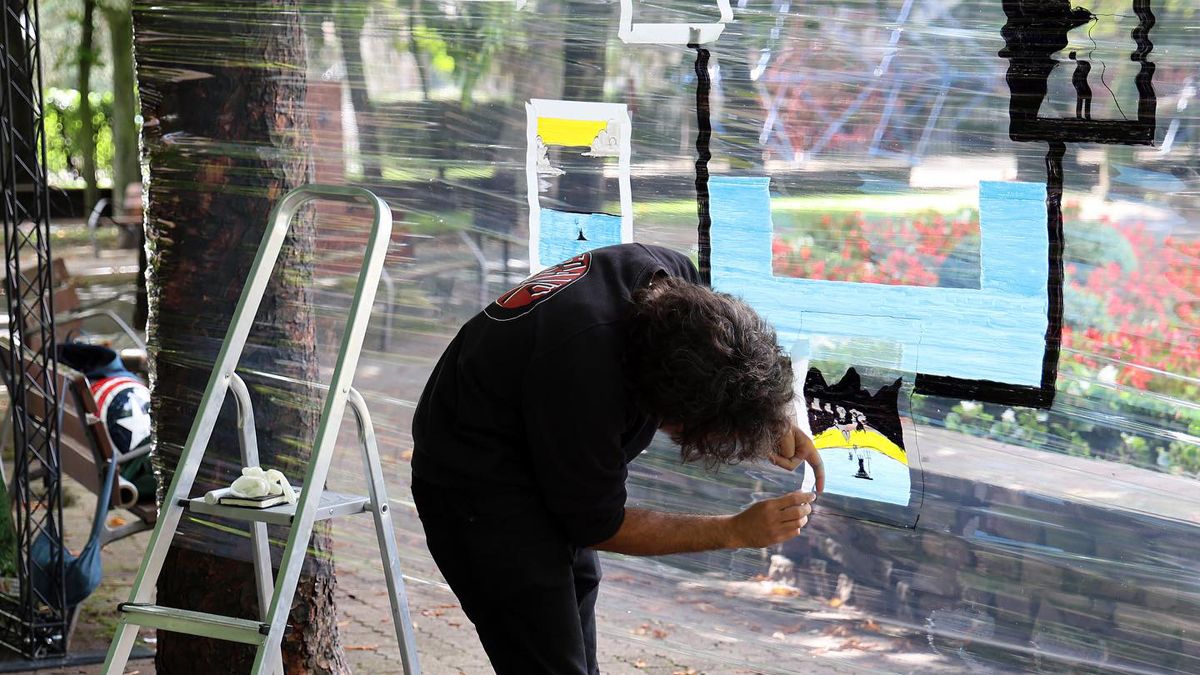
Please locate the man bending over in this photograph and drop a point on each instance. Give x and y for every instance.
(523, 433)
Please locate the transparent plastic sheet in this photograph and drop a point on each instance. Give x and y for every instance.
(866, 142)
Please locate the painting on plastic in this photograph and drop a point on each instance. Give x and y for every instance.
(635, 30)
(1004, 321)
(1033, 35)
(852, 399)
(591, 130)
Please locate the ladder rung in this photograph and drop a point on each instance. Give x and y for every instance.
(195, 623)
(331, 505)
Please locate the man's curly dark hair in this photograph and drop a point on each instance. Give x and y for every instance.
(709, 365)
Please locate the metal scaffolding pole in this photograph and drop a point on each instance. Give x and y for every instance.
(33, 622)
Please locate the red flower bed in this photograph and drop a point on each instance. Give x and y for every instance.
(1150, 311)
(895, 251)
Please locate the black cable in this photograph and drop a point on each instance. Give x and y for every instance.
(1103, 65)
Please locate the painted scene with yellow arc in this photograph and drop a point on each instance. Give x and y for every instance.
(834, 438)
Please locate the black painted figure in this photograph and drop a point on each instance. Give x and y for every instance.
(1034, 32)
(862, 471)
(1083, 91)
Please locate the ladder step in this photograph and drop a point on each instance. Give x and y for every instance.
(195, 623)
(331, 505)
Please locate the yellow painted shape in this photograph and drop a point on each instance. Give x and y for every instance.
(833, 438)
(557, 131)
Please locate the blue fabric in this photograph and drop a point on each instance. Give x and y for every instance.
(83, 572)
(94, 361)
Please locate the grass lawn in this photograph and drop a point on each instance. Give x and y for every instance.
(799, 211)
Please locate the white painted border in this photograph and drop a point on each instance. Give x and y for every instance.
(575, 110)
(671, 33)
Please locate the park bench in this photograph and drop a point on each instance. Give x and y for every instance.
(71, 314)
(84, 446)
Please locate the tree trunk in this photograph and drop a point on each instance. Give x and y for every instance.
(415, 49)
(585, 62)
(737, 57)
(349, 22)
(87, 126)
(126, 168)
(225, 138)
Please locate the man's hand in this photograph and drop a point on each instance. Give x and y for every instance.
(644, 532)
(795, 448)
(773, 520)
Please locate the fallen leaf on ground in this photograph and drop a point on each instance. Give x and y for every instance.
(839, 630)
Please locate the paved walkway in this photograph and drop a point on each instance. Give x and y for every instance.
(653, 618)
(680, 616)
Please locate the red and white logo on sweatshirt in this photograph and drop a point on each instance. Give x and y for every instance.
(538, 288)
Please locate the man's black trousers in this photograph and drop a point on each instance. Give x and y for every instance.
(529, 592)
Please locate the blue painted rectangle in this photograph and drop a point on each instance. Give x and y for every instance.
(996, 332)
(565, 235)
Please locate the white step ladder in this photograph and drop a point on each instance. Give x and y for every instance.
(275, 597)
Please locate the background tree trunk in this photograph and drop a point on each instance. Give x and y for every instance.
(126, 168)
(585, 61)
(87, 125)
(349, 22)
(224, 134)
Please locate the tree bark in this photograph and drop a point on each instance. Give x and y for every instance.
(126, 168)
(222, 87)
(87, 126)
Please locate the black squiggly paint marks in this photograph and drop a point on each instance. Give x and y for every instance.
(1035, 31)
(1000, 393)
(703, 155)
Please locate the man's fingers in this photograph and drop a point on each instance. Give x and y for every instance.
(787, 444)
(793, 513)
(818, 468)
(809, 453)
(793, 499)
(789, 463)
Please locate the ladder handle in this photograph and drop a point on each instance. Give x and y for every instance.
(247, 436)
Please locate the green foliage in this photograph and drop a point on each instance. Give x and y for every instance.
(1089, 419)
(466, 37)
(431, 43)
(1097, 244)
(8, 536)
(63, 124)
